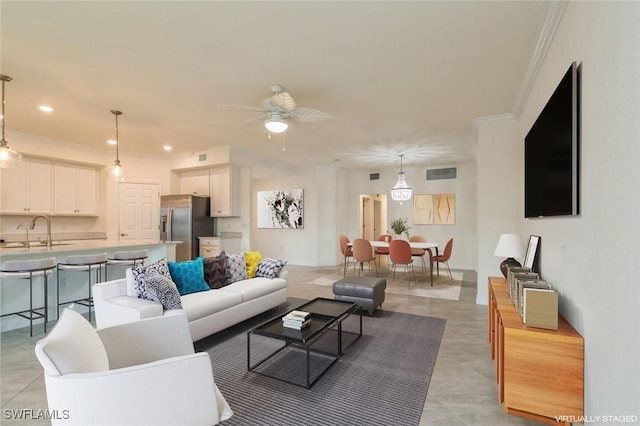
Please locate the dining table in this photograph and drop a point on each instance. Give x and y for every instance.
(414, 245)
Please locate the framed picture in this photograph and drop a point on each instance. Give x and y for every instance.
(530, 258)
(423, 209)
(439, 209)
(281, 209)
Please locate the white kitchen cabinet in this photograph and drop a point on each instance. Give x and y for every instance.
(195, 182)
(75, 190)
(225, 183)
(27, 188)
(210, 246)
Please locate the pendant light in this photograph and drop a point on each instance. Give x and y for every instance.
(401, 191)
(117, 172)
(8, 157)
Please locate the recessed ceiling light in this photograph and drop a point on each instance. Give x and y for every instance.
(45, 108)
(167, 148)
(111, 142)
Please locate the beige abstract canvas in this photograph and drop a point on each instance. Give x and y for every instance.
(423, 209)
(445, 209)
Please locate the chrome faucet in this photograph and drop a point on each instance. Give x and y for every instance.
(33, 225)
(26, 243)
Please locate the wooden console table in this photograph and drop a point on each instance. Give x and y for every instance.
(540, 373)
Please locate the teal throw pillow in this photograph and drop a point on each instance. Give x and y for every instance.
(188, 275)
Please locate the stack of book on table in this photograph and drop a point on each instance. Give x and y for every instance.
(296, 320)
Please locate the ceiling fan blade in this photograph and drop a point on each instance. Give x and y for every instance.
(253, 120)
(241, 107)
(284, 101)
(309, 115)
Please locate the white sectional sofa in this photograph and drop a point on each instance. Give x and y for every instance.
(207, 311)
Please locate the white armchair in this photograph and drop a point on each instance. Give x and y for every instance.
(140, 373)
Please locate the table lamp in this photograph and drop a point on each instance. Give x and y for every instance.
(509, 246)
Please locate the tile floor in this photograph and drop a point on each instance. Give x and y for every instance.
(462, 389)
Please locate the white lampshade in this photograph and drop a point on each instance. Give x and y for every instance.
(510, 245)
(276, 124)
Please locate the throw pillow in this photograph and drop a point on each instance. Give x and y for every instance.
(140, 273)
(189, 275)
(270, 268)
(161, 289)
(236, 267)
(252, 258)
(215, 270)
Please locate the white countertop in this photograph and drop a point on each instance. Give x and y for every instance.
(63, 247)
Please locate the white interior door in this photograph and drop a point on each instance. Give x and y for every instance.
(139, 211)
(373, 215)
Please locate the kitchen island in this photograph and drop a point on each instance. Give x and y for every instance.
(15, 292)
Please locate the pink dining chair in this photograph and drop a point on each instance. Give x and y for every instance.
(384, 251)
(444, 257)
(347, 252)
(363, 252)
(400, 254)
(416, 252)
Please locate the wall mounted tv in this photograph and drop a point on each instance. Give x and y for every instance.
(551, 153)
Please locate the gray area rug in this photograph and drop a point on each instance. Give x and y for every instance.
(382, 380)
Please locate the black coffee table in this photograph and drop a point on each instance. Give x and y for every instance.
(327, 317)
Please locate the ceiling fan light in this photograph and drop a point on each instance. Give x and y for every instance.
(276, 124)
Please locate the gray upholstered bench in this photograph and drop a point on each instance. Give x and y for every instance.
(368, 292)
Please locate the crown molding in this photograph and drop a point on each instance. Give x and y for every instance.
(555, 11)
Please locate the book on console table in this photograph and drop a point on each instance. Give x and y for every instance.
(522, 284)
(540, 308)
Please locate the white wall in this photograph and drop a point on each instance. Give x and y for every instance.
(499, 198)
(314, 245)
(590, 259)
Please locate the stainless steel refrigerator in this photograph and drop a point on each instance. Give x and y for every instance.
(184, 218)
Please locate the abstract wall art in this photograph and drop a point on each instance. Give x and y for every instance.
(438, 209)
(281, 209)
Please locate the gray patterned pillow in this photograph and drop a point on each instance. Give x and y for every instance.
(270, 268)
(215, 270)
(236, 267)
(140, 273)
(159, 288)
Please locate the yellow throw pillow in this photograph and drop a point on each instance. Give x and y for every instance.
(252, 258)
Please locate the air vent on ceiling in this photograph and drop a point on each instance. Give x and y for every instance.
(437, 174)
(202, 157)
(374, 176)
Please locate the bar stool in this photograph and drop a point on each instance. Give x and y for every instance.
(127, 258)
(81, 263)
(30, 269)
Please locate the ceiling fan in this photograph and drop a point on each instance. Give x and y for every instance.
(279, 107)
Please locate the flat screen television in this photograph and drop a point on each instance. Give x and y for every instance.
(551, 153)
